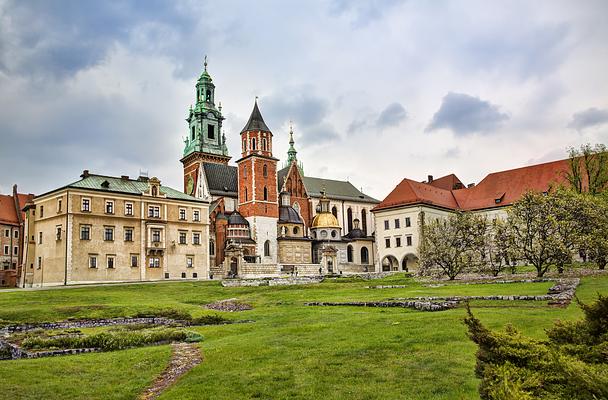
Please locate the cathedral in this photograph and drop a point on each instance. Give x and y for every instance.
(265, 220)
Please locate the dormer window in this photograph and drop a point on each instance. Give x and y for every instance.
(154, 191)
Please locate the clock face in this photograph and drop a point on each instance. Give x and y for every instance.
(190, 186)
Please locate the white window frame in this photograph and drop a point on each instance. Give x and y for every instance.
(88, 230)
(93, 261)
(182, 211)
(82, 204)
(196, 238)
(111, 204)
(129, 203)
(136, 256)
(153, 211)
(110, 258)
(131, 230)
(196, 215)
(189, 261)
(105, 231)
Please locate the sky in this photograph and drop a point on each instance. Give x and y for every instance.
(377, 90)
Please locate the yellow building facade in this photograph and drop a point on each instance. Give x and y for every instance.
(104, 229)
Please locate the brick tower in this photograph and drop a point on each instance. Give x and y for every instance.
(257, 175)
(205, 142)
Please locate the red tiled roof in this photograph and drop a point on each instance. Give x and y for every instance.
(448, 182)
(8, 215)
(505, 186)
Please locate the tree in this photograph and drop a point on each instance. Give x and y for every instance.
(571, 364)
(594, 237)
(588, 168)
(448, 244)
(571, 212)
(536, 232)
(494, 244)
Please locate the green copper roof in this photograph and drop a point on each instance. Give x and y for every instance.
(122, 185)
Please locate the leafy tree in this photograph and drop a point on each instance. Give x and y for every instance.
(492, 241)
(588, 168)
(571, 364)
(535, 227)
(448, 244)
(594, 230)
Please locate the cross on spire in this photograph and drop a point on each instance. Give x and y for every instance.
(205, 63)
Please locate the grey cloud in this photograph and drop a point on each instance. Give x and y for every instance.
(464, 114)
(362, 13)
(589, 118)
(391, 116)
(59, 38)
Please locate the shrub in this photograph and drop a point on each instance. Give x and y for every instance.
(210, 320)
(572, 364)
(170, 313)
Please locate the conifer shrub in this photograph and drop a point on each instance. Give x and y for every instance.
(571, 364)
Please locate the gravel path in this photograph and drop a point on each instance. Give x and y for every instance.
(185, 357)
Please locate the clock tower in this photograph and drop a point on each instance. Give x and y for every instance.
(205, 141)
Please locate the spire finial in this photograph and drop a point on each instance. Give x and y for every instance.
(256, 99)
(205, 63)
(220, 106)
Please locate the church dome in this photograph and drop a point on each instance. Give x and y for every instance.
(289, 215)
(237, 219)
(325, 220)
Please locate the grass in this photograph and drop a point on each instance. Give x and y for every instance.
(291, 351)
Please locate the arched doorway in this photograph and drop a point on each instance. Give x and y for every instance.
(234, 264)
(349, 253)
(390, 263)
(409, 262)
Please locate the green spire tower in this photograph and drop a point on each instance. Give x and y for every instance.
(292, 152)
(205, 136)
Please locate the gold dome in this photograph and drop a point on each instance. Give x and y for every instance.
(325, 220)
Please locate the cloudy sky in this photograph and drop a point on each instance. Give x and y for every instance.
(377, 90)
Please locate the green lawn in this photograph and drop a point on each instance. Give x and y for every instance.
(290, 351)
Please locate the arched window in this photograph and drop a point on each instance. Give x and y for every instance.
(364, 255)
(193, 132)
(264, 144)
(265, 193)
(245, 171)
(349, 253)
(267, 248)
(253, 144)
(296, 230)
(208, 97)
(265, 170)
(349, 216)
(211, 247)
(246, 196)
(244, 145)
(334, 211)
(364, 221)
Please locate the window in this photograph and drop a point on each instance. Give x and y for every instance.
(7, 233)
(39, 237)
(86, 205)
(196, 238)
(182, 214)
(128, 208)
(134, 260)
(108, 234)
(397, 223)
(110, 262)
(16, 234)
(211, 132)
(408, 222)
(296, 230)
(244, 145)
(41, 211)
(6, 250)
(189, 261)
(265, 170)
(246, 195)
(387, 243)
(334, 234)
(364, 221)
(154, 262)
(253, 144)
(211, 247)
(154, 212)
(349, 253)
(182, 237)
(244, 171)
(349, 216)
(92, 261)
(386, 225)
(39, 264)
(265, 193)
(109, 207)
(364, 255)
(193, 133)
(408, 240)
(58, 205)
(58, 232)
(128, 234)
(398, 242)
(183, 274)
(196, 215)
(156, 235)
(85, 232)
(15, 250)
(267, 248)
(264, 145)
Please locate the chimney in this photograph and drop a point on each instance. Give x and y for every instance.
(124, 177)
(470, 185)
(85, 174)
(429, 179)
